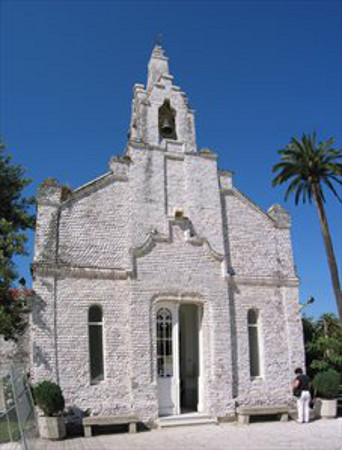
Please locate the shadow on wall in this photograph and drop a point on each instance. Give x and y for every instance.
(39, 310)
(48, 251)
(232, 291)
(40, 357)
(39, 322)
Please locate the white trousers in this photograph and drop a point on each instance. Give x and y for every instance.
(303, 406)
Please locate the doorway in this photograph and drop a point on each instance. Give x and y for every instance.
(178, 358)
(188, 358)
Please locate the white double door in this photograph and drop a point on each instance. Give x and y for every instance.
(178, 358)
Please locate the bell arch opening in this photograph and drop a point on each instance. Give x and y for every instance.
(167, 121)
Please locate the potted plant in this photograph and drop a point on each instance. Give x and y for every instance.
(49, 399)
(326, 385)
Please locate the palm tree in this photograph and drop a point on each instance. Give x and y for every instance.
(308, 167)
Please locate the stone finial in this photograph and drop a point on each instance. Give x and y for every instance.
(226, 179)
(118, 165)
(49, 192)
(157, 66)
(280, 216)
(158, 52)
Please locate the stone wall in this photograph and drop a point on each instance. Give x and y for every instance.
(80, 220)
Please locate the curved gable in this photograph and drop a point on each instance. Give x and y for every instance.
(175, 254)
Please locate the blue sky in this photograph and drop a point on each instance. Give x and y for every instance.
(256, 72)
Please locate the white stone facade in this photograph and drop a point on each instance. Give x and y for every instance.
(163, 225)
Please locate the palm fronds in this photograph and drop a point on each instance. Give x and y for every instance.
(304, 164)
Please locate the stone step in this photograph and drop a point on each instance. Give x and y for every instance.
(185, 420)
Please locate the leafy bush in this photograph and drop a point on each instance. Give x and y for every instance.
(323, 344)
(49, 398)
(327, 384)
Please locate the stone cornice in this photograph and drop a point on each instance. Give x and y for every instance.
(174, 155)
(113, 273)
(135, 145)
(206, 153)
(178, 296)
(263, 281)
(60, 271)
(48, 203)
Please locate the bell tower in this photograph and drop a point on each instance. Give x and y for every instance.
(161, 116)
(170, 178)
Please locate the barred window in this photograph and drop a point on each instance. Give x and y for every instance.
(253, 338)
(164, 343)
(95, 326)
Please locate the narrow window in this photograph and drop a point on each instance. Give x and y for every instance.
(164, 343)
(253, 337)
(95, 344)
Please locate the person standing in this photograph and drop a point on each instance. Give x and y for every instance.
(301, 389)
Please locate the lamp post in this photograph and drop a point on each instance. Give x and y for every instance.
(304, 305)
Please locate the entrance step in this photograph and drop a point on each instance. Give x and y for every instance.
(185, 420)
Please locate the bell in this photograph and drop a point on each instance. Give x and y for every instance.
(166, 127)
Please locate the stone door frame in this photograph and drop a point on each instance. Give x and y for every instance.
(173, 303)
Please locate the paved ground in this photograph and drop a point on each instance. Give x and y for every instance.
(318, 435)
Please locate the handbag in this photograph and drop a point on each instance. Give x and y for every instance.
(297, 391)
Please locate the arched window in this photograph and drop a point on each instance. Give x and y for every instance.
(253, 338)
(164, 343)
(95, 326)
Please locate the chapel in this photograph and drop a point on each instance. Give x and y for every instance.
(161, 289)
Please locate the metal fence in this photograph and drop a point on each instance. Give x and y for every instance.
(18, 422)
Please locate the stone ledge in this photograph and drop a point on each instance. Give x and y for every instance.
(263, 281)
(61, 271)
(207, 154)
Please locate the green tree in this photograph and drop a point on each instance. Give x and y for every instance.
(15, 219)
(309, 167)
(323, 343)
(311, 353)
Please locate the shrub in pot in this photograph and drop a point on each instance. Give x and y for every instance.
(326, 385)
(49, 399)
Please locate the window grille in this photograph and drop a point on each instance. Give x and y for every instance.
(164, 343)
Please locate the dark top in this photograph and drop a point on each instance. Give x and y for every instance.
(304, 382)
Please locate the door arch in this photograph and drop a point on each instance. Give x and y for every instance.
(179, 363)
